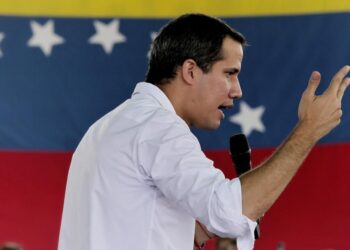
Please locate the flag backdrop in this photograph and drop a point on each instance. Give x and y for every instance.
(63, 64)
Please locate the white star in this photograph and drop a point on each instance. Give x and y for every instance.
(2, 36)
(249, 118)
(153, 36)
(107, 35)
(44, 37)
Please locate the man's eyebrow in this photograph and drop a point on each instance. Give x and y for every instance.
(233, 69)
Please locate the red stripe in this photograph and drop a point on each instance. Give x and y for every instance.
(310, 214)
(31, 193)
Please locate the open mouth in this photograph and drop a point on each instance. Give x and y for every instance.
(223, 107)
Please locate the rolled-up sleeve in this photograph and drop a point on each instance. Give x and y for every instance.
(179, 169)
(226, 213)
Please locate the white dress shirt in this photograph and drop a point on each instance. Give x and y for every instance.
(139, 179)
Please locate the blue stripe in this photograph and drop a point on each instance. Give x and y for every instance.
(47, 103)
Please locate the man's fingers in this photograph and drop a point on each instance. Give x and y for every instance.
(343, 87)
(314, 81)
(338, 79)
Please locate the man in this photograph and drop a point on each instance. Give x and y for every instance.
(139, 179)
(10, 246)
(226, 244)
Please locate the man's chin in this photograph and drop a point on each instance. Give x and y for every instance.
(209, 126)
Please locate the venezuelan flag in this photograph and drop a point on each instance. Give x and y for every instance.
(63, 64)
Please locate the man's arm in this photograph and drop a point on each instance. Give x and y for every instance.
(201, 236)
(318, 115)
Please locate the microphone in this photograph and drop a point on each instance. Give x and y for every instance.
(240, 155)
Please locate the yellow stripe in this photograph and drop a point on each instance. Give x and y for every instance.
(168, 8)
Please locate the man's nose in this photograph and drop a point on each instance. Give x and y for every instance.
(236, 91)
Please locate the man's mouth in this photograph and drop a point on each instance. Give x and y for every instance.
(223, 107)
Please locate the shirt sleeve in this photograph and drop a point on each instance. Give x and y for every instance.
(174, 161)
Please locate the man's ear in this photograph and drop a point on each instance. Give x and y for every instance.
(189, 71)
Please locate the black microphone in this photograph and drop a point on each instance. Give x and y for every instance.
(240, 155)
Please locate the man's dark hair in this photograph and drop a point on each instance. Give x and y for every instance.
(231, 242)
(190, 36)
(10, 246)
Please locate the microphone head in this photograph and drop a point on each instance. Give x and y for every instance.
(239, 144)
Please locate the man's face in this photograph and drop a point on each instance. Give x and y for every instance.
(217, 89)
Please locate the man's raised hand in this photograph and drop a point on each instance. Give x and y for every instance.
(320, 114)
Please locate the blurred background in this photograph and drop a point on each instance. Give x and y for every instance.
(64, 64)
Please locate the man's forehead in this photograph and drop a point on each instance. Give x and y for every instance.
(232, 49)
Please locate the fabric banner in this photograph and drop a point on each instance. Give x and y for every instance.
(64, 64)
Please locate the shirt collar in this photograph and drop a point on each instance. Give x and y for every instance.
(155, 92)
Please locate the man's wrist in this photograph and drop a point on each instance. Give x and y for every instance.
(306, 133)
